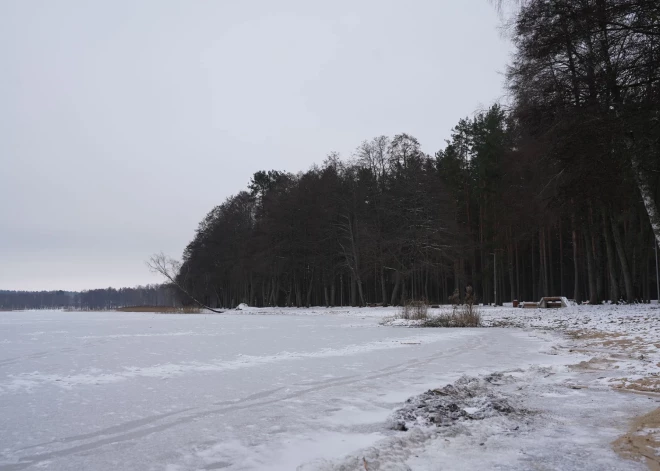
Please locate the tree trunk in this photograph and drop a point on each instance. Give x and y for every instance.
(412, 285)
(360, 291)
(341, 290)
(647, 194)
(383, 286)
(562, 290)
(276, 292)
(395, 291)
(473, 272)
(288, 295)
(611, 262)
(591, 268)
(354, 292)
(534, 280)
(333, 294)
(544, 262)
(548, 240)
(298, 286)
(576, 289)
(598, 263)
(511, 280)
(623, 261)
(649, 276)
(352, 256)
(310, 285)
(517, 274)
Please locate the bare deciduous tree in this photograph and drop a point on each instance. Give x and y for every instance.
(170, 270)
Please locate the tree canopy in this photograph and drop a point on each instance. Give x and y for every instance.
(556, 193)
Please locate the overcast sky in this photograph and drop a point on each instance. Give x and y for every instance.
(122, 123)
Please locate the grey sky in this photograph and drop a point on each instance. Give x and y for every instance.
(122, 123)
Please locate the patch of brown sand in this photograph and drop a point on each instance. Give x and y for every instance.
(593, 335)
(642, 441)
(593, 364)
(612, 355)
(626, 343)
(612, 341)
(641, 393)
(647, 384)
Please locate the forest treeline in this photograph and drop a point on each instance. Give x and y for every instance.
(95, 299)
(553, 194)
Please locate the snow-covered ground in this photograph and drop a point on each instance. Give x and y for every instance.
(325, 389)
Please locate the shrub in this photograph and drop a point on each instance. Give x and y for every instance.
(469, 316)
(414, 310)
(161, 309)
(466, 315)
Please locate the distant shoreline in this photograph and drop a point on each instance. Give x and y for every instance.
(146, 309)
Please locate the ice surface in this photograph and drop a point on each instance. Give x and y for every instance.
(277, 390)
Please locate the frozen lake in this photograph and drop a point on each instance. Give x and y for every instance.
(108, 391)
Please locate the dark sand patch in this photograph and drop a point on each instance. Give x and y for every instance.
(642, 441)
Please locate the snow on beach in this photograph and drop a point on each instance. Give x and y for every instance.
(329, 389)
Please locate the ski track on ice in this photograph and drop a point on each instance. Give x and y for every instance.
(131, 430)
(28, 381)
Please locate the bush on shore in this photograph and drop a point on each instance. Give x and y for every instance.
(467, 315)
(161, 309)
(414, 310)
